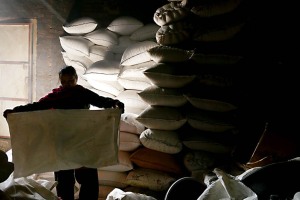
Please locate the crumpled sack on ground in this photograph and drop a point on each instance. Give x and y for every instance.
(117, 194)
(227, 187)
(26, 188)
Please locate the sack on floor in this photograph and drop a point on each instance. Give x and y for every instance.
(226, 187)
(118, 194)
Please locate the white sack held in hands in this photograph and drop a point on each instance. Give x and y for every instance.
(52, 140)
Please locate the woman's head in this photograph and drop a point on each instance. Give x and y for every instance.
(68, 76)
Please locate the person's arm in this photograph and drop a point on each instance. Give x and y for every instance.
(25, 108)
(103, 102)
(42, 104)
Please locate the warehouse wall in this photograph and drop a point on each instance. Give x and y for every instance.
(50, 15)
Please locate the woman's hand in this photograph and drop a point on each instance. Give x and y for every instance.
(6, 112)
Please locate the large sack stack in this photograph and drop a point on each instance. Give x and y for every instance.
(97, 54)
(188, 62)
(176, 87)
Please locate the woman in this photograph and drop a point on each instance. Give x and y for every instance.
(70, 95)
